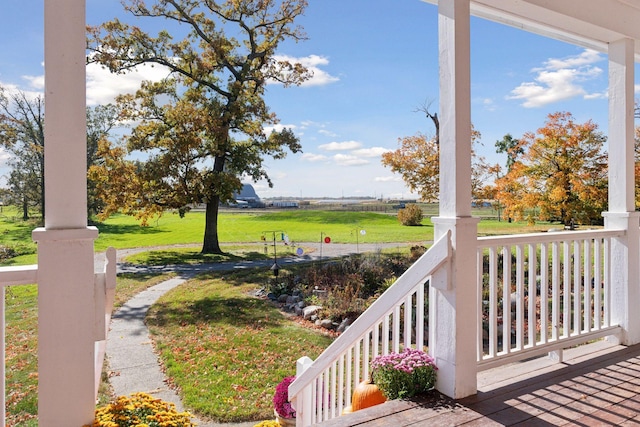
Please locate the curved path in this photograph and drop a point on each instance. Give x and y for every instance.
(133, 363)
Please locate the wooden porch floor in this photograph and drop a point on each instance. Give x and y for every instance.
(596, 385)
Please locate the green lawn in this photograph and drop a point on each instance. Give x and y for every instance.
(248, 227)
(225, 349)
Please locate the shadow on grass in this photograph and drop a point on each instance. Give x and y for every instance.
(128, 229)
(246, 313)
(176, 257)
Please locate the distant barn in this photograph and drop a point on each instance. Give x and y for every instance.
(247, 197)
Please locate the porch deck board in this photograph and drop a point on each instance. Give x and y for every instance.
(595, 385)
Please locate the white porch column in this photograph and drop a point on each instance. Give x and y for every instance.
(452, 310)
(66, 307)
(625, 252)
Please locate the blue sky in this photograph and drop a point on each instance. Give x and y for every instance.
(375, 63)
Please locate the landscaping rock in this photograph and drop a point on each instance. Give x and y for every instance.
(327, 324)
(283, 298)
(293, 299)
(343, 325)
(310, 310)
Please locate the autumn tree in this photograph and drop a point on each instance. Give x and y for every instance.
(224, 76)
(561, 173)
(101, 120)
(176, 133)
(417, 160)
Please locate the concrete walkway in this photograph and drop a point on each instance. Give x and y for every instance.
(133, 362)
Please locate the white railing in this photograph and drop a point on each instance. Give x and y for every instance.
(558, 293)
(105, 285)
(396, 320)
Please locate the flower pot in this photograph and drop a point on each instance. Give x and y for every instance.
(285, 422)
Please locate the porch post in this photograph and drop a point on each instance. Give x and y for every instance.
(452, 308)
(625, 253)
(66, 320)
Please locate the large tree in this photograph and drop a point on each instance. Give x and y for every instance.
(221, 66)
(561, 173)
(22, 136)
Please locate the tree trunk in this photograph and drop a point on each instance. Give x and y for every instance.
(25, 209)
(211, 244)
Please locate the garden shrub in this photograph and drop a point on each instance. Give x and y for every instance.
(411, 215)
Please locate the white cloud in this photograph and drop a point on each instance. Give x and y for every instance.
(103, 86)
(586, 58)
(12, 89)
(636, 88)
(278, 128)
(341, 146)
(310, 157)
(36, 82)
(370, 152)
(313, 64)
(559, 79)
(349, 160)
(327, 133)
(488, 104)
(389, 178)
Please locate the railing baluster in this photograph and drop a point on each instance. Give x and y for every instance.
(587, 283)
(577, 292)
(506, 299)
(420, 317)
(544, 293)
(519, 297)
(566, 307)
(532, 292)
(493, 302)
(597, 284)
(385, 335)
(479, 308)
(367, 356)
(607, 282)
(408, 313)
(333, 397)
(396, 329)
(345, 396)
(555, 291)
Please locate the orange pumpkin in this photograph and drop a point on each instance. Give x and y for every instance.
(365, 395)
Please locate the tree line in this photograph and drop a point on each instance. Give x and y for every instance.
(557, 173)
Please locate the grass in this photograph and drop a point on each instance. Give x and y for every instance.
(249, 227)
(21, 316)
(227, 350)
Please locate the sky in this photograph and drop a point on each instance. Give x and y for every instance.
(375, 65)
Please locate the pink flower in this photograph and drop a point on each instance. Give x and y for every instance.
(281, 399)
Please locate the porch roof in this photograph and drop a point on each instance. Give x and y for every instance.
(591, 24)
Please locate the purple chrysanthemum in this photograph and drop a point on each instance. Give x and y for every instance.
(281, 399)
